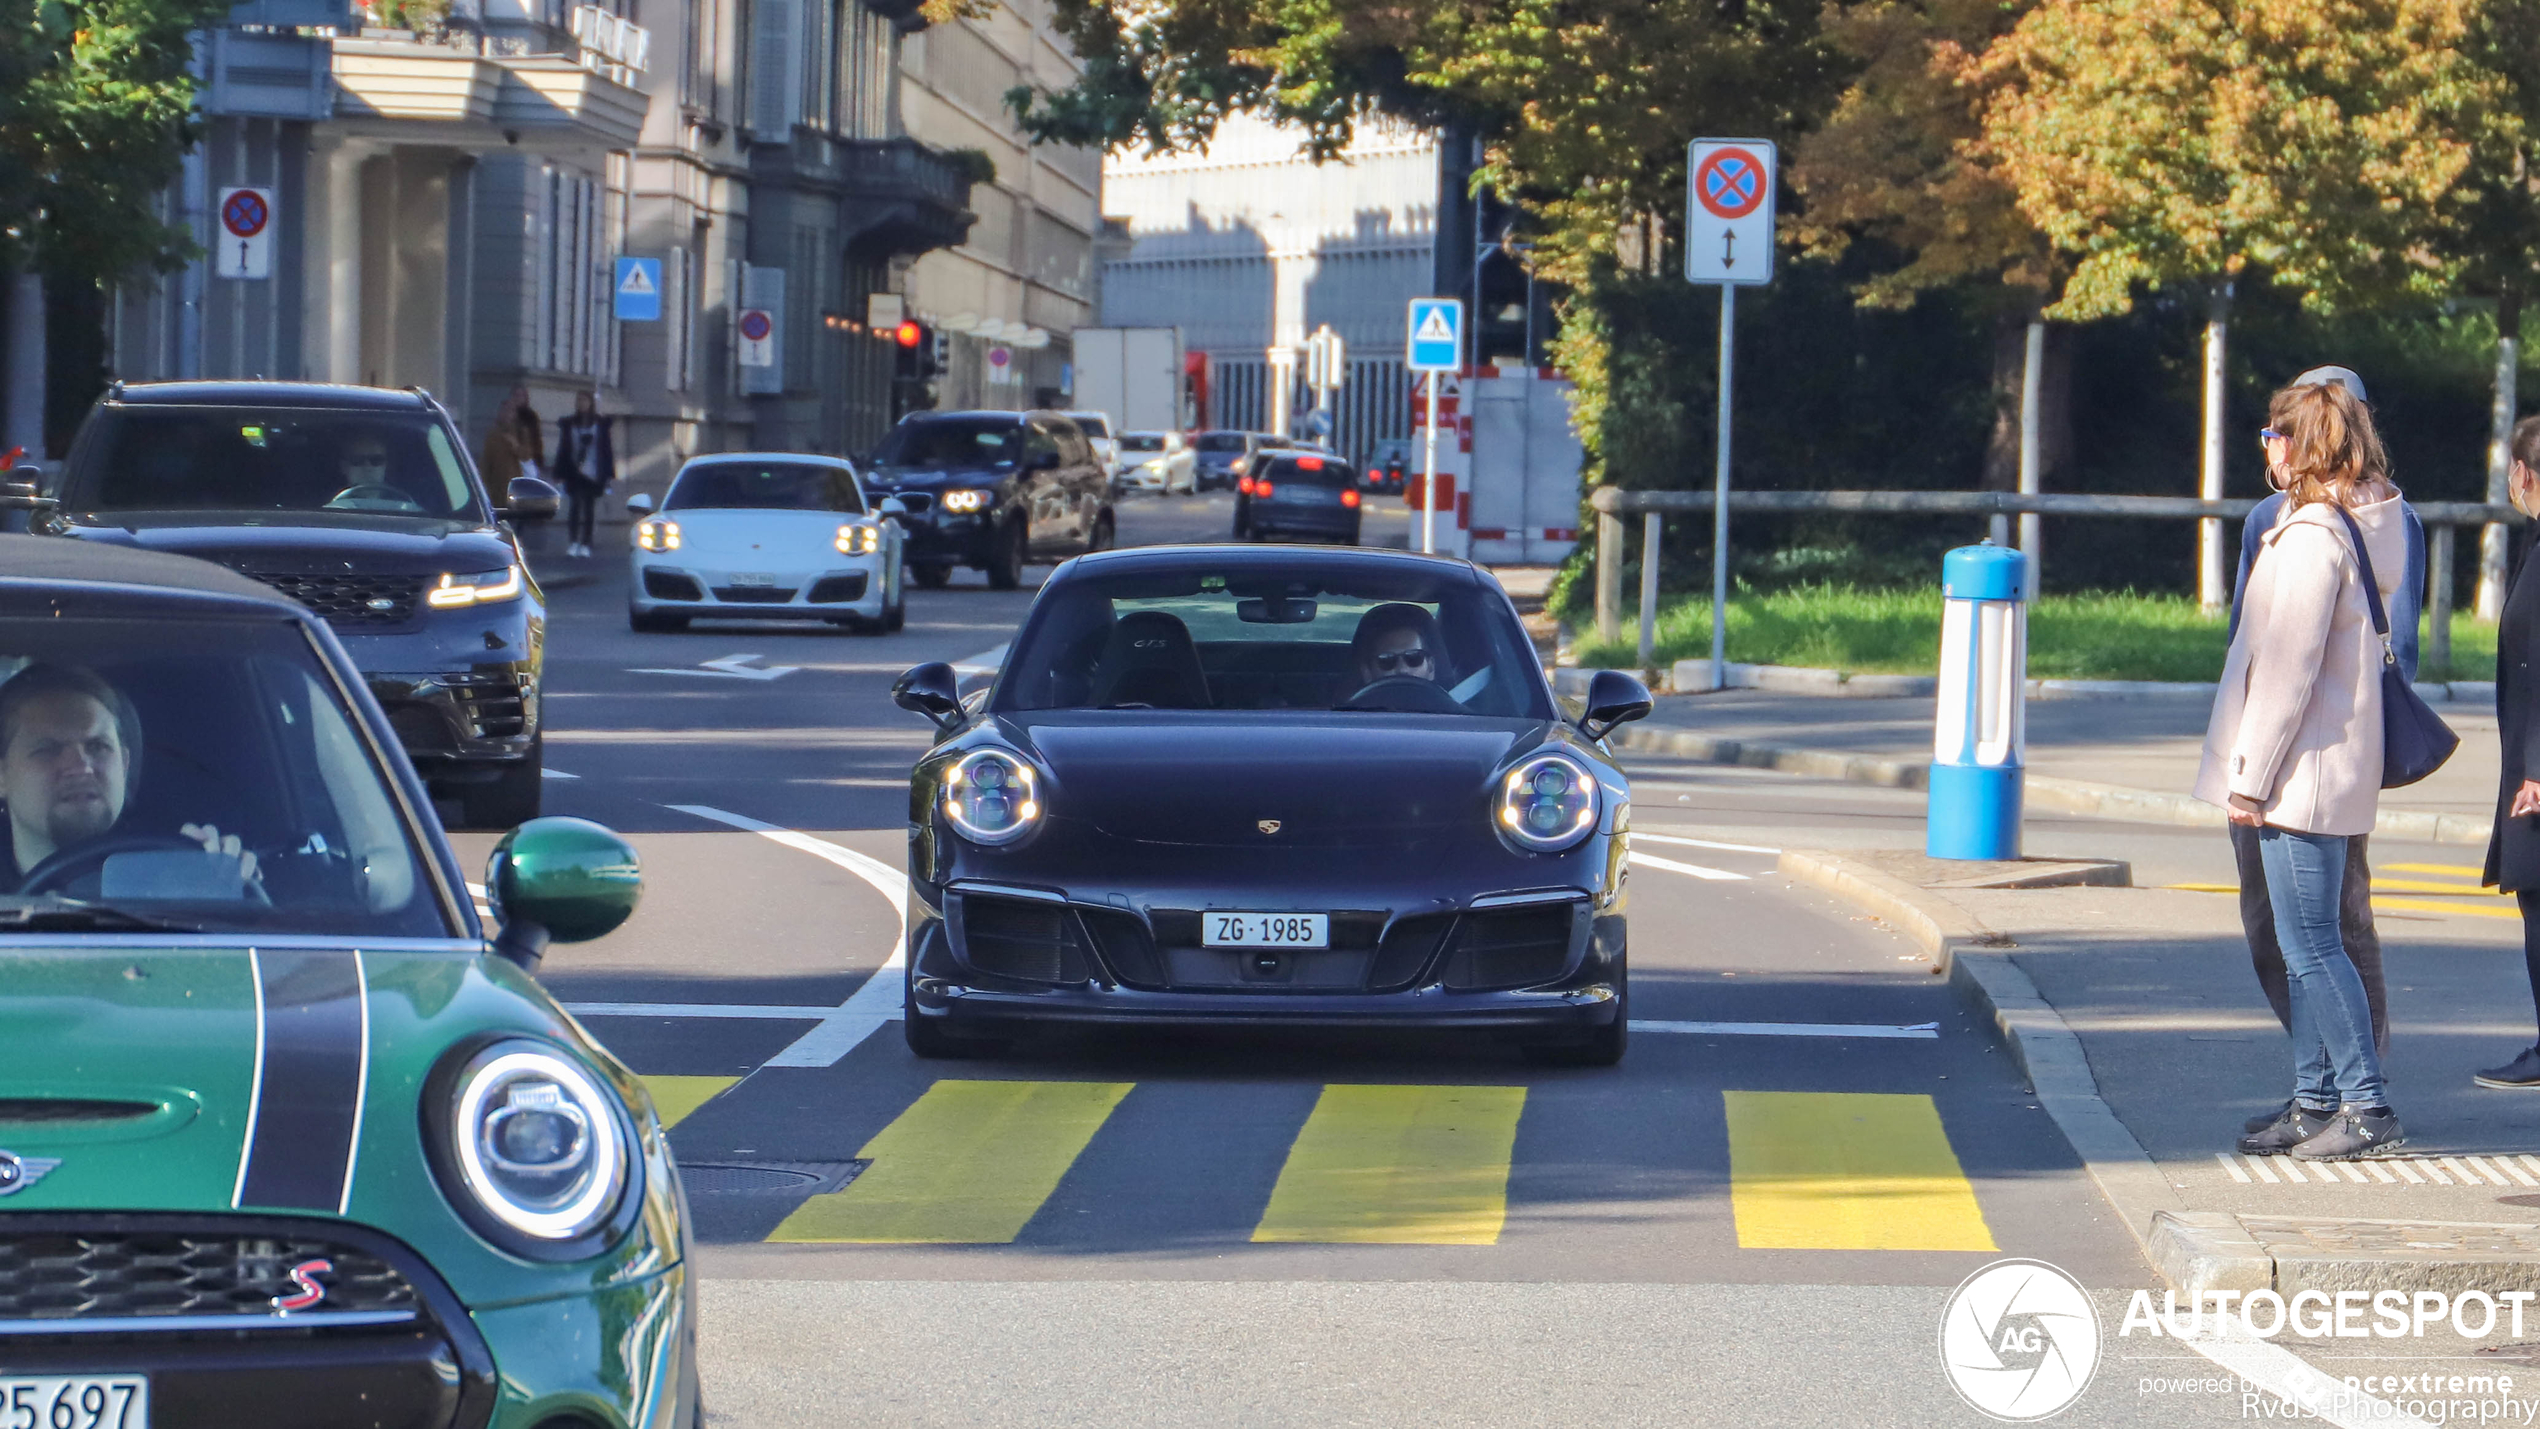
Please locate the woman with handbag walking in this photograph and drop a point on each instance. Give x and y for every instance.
(2513, 851)
(2296, 747)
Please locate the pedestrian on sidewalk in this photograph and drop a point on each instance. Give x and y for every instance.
(586, 463)
(2362, 941)
(2294, 749)
(2513, 851)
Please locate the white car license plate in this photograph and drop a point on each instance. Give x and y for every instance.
(75, 1401)
(1266, 930)
(753, 578)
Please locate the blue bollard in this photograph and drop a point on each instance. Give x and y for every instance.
(1980, 730)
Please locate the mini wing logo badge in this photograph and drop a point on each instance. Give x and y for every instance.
(19, 1172)
(311, 1290)
(1268, 826)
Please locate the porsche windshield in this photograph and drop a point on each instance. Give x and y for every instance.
(1410, 640)
(377, 463)
(765, 486)
(193, 776)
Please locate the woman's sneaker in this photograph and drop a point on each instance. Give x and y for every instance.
(2291, 1127)
(2520, 1074)
(2354, 1135)
(2266, 1118)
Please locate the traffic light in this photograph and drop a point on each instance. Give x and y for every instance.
(916, 345)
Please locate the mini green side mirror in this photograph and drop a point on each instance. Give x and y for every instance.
(560, 880)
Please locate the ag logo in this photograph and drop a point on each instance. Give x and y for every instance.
(2019, 1340)
(19, 1172)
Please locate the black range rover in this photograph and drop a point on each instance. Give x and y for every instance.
(360, 503)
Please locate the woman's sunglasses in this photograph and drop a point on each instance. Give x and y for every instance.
(1386, 664)
(2269, 434)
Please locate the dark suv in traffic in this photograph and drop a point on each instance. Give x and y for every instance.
(361, 504)
(991, 490)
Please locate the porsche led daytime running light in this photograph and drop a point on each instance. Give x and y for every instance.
(657, 535)
(538, 1143)
(859, 540)
(992, 797)
(1548, 803)
(964, 502)
(483, 588)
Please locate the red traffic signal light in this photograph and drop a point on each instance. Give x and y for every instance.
(909, 333)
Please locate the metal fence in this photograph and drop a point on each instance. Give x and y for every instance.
(1372, 406)
(2442, 520)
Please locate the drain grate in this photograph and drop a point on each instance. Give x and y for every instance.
(768, 1178)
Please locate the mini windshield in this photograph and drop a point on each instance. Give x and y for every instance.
(765, 486)
(952, 442)
(1320, 636)
(194, 776)
(271, 459)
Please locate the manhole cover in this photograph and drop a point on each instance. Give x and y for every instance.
(746, 1178)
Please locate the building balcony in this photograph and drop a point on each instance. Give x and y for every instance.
(902, 197)
(560, 92)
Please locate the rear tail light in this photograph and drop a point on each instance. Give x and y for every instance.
(1349, 496)
(1261, 488)
(1244, 486)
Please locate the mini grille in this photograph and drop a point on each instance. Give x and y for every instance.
(348, 599)
(830, 589)
(752, 595)
(60, 1275)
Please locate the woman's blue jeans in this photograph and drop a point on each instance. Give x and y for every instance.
(2333, 1059)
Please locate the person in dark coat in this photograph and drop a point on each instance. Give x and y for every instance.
(586, 463)
(2513, 851)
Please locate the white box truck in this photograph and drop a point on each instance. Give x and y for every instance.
(1132, 375)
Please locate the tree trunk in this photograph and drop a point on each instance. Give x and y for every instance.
(22, 359)
(2492, 539)
(2002, 445)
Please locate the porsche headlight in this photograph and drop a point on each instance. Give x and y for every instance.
(657, 535)
(962, 503)
(859, 540)
(992, 797)
(541, 1151)
(481, 588)
(1548, 803)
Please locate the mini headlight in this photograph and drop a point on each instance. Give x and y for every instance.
(481, 588)
(964, 502)
(859, 540)
(992, 797)
(539, 1146)
(1548, 803)
(657, 535)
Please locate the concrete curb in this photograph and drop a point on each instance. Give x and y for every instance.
(2195, 1251)
(2062, 796)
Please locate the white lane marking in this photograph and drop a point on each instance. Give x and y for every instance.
(1640, 834)
(729, 667)
(768, 1011)
(361, 1088)
(986, 662)
(877, 1001)
(556, 774)
(2283, 1375)
(2234, 1168)
(255, 1083)
(1713, 875)
(1926, 1031)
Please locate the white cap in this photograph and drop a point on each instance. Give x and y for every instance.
(2343, 376)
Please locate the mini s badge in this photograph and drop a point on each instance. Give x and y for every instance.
(305, 1275)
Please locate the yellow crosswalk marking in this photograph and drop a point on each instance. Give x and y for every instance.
(2431, 905)
(2421, 885)
(2463, 870)
(967, 1163)
(675, 1097)
(1391, 1165)
(1847, 1171)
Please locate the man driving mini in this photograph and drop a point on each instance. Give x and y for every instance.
(66, 765)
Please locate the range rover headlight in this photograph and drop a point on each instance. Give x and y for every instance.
(992, 797)
(453, 592)
(962, 503)
(657, 535)
(539, 1149)
(1548, 803)
(856, 540)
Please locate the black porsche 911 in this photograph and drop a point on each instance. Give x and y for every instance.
(1269, 787)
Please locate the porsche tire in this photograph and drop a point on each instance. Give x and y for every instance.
(1005, 564)
(1602, 1048)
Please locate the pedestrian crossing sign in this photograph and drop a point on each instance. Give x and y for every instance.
(1437, 335)
(638, 290)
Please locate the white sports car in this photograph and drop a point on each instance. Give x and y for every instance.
(765, 536)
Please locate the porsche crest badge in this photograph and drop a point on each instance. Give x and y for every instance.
(1268, 826)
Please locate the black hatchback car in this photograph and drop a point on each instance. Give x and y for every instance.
(1222, 785)
(992, 491)
(1309, 495)
(360, 503)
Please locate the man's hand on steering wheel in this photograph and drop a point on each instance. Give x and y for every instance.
(213, 841)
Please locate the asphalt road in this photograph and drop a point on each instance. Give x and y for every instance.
(1755, 1223)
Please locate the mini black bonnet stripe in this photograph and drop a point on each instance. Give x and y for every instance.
(308, 1104)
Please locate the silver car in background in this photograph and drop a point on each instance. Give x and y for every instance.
(1159, 462)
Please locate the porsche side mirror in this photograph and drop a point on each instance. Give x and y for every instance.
(892, 506)
(932, 690)
(531, 498)
(1613, 698)
(641, 503)
(559, 880)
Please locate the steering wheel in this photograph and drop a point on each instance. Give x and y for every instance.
(1409, 693)
(373, 491)
(68, 865)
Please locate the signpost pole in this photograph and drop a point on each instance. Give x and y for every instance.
(1429, 474)
(1720, 496)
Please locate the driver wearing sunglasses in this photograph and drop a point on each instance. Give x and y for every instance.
(1399, 640)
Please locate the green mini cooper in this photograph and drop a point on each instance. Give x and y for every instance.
(285, 1137)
